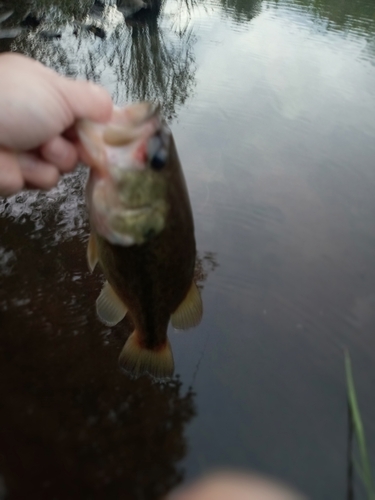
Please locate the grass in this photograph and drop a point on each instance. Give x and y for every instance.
(363, 466)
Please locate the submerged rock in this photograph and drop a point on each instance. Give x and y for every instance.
(130, 7)
(99, 32)
(30, 21)
(10, 32)
(50, 35)
(6, 15)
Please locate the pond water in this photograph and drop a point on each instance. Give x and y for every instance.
(272, 106)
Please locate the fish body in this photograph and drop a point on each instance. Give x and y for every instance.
(142, 234)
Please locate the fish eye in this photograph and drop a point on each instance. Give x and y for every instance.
(157, 152)
(159, 160)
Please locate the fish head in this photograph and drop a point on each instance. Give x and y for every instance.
(128, 185)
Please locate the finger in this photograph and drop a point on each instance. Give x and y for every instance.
(38, 173)
(61, 153)
(11, 179)
(87, 100)
(235, 487)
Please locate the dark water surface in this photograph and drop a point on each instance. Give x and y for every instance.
(272, 104)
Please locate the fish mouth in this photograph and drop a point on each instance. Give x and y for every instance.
(104, 144)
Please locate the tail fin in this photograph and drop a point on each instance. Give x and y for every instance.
(138, 360)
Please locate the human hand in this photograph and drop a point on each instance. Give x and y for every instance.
(37, 108)
(235, 486)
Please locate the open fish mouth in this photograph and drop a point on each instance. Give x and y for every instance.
(106, 146)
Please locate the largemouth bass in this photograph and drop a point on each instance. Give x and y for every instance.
(142, 233)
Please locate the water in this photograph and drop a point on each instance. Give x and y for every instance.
(272, 105)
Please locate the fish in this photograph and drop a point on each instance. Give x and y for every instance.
(142, 233)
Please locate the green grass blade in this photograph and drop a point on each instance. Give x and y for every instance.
(365, 468)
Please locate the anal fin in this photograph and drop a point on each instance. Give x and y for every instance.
(137, 359)
(109, 307)
(189, 312)
(92, 252)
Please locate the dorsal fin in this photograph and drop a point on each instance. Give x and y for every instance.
(109, 307)
(189, 312)
(92, 252)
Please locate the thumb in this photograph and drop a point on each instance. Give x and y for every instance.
(86, 99)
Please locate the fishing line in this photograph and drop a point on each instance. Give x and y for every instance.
(197, 366)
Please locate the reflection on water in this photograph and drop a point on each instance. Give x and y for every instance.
(82, 428)
(291, 205)
(148, 56)
(141, 59)
(204, 265)
(356, 17)
(241, 10)
(91, 426)
(62, 208)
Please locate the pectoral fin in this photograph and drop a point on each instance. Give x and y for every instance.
(189, 312)
(92, 252)
(109, 307)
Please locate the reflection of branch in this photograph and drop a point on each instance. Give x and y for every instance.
(141, 59)
(183, 14)
(242, 10)
(159, 70)
(136, 62)
(203, 266)
(64, 10)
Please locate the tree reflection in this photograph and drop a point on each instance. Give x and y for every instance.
(141, 58)
(156, 69)
(136, 60)
(74, 425)
(204, 265)
(355, 16)
(241, 10)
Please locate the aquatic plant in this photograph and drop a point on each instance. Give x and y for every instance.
(363, 467)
